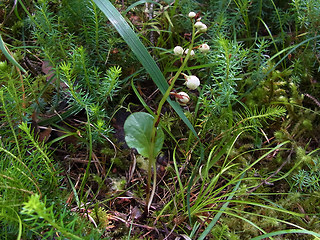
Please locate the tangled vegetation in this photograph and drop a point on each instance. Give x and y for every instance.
(171, 119)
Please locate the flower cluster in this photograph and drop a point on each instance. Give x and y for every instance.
(201, 27)
(179, 51)
(192, 82)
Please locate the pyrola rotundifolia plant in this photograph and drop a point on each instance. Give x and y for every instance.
(142, 130)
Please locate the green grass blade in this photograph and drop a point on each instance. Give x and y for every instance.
(141, 99)
(267, 207)
(182, 189)
(73, 110)
(141, 53)
(86, 174)
(8, 55)
(245, 220)
(268, 235)
(223, 208)
(140, 2)
(75, 194)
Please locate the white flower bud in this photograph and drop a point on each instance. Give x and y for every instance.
(191, 53)
(204, 48)
(182, 98)
(192, 14)
(204, 28)
(201, 26)
(192, 82)
(198, 25)
(178, 50)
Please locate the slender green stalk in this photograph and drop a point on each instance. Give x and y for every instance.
(178, 177)
(86, 175)
(167, 93)
(154, 183)
(96, 21)
(24, 127)
(148, 197)
(243, 8)
(10, 124)
(32, 18)
(83, 62)
(289, 231)
(152, 160)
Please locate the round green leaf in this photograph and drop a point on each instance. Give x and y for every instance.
(138, 130)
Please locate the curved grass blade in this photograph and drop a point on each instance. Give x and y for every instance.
(138, 3)
(266, 206)
(4, 50)
(141, 53)
(73, 110)
(268, 235)
(223, 208)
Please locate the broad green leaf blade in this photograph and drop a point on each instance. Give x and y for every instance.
(138, 131)
(141, 53)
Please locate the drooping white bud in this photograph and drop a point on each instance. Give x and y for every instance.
(192, 82)
(201, 26)
(198, 25)
(182, 98)
(203, 29)
(178, 51)
(204, 48)
(191, 53)
(192, 14)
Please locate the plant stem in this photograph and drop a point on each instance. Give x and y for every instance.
(154, 184)
(86, 174)
(152, 158)
(146, 211)
(167, 93)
